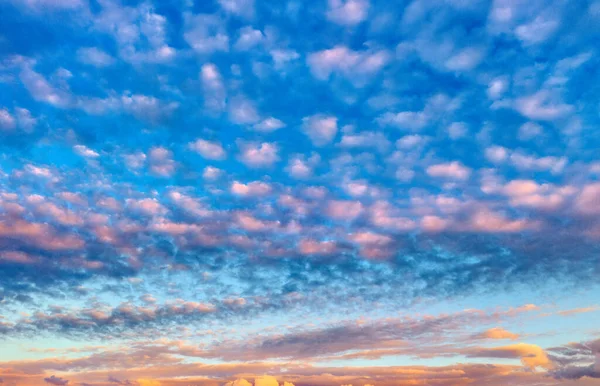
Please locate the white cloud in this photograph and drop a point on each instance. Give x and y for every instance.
(407, 120)
(357, 66)
(356, 188)
(281, 57)
(523, 161)
(529, 130)
(268, 125)
(41, 90)
(244, 8)
(147, 108)
(496, 154)
(95, 57)
(140, 33)
(259, 155)
(321, 129)
(209, 149)
(537, 31)
(135, 161)
(7, 121)
(242, 111)
(542, 106)
(24, 119)
(214, 89)
(497, 87)
(206, 34)
(301, 168)
(411, 141)
(211, 173)
(457, 130)
(160, 161)
(86, 152)
(249, 38)
(347, 12)
(255, 188)
(552, 164)
(465, 60)
(453, 170)
(366, 139)
(50, 5)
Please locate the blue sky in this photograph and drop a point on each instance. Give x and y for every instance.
(333, 192)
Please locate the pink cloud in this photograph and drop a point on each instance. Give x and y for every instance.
(344, 210)
(451, 170)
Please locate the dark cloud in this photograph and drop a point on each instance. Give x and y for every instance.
(54, 380)
(576, 360)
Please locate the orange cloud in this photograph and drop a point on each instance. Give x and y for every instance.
(579, 310)
(148, 382)
(531, 355)
(498, 333)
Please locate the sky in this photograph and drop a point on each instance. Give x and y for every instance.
(299, 193)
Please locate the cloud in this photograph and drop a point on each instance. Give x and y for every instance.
(356, 66)
(238, 382)
(269, 125)
(243, 163)
(409, 120)
(537, 31)
(530, 355)
(376, 140)
(259, 155)
(54, 380)
(41, 90)
(529, 131)
(266, 380)
(457, 130)
(211, 173)
(206, 33)
(160, 161)
(255, 188)
(498, 333)
(95, 57)
(244, 8)
(542, 106)
(242, 111)
(314, 247)
(587, 201)
(148, 108)
(320, 128)
(347, 12)
(252, 224)
(300, 167)
(7, 121)
(85, 151)
(214, 90)
(148, 206)
(465, 59)
(576, 360)
(148, 382)
(208, 149)
(452, 170)
(248, 39)
(344, 210)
